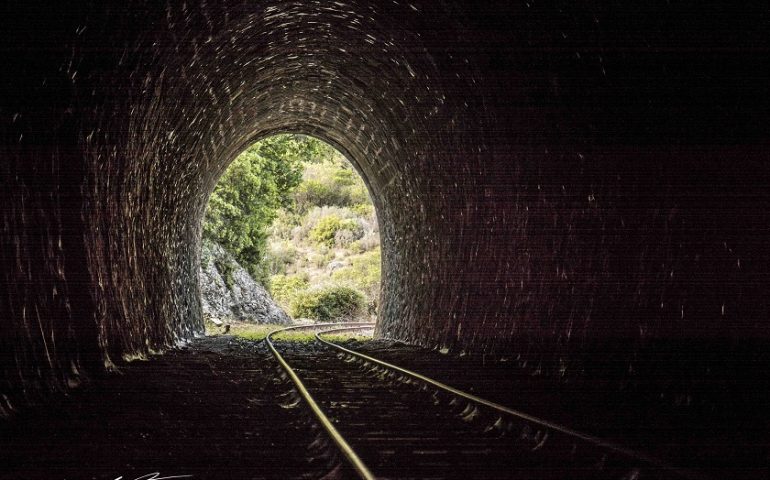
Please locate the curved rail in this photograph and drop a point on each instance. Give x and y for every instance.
(350, 455)
(597, 442)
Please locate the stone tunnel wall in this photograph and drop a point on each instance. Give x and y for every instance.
(566, 183)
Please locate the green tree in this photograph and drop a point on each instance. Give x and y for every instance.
(247, 198)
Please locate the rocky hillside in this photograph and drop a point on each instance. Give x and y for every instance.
(229, 293)
(324, 253)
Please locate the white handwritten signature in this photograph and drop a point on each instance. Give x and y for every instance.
(156, 476)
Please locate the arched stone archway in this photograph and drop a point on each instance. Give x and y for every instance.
(551, 181)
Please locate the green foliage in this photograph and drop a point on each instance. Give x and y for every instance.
(284, 225)
(285, 209)
(285, 288)
(349, 338)
(328, 304)
(363, 209)
(326, 229)
(316, 193)
(359, 194)
(250, 192)
(363, 273)
(279, 256)
(332, 182)
(250, 331)
(368, 242)
(344, 177)
(311, 219)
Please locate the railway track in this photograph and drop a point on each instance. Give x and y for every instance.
(389, 422)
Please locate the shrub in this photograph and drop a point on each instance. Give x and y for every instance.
(315, 215)
(363, 274)
(358, 194)
(356, 247)
(328, 183)
(328, 304)
(365, 210)
(344, 238)
(285, 288)
(280, 255)
(368, 242)
(316, 260)
(313, 193)
(344, 177)
(284, 224)
(326, 229)
(206, 254)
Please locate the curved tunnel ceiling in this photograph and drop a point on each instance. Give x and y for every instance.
(212, 82)
(543, 175)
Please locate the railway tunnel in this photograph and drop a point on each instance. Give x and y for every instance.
(580, 186)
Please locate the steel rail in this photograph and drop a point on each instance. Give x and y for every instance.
(350, 455)
(595, 441)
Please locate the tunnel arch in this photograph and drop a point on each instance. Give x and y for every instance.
(384, 121)
(559, 163)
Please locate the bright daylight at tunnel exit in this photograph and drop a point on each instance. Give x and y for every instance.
(397, 239)
(290, 236)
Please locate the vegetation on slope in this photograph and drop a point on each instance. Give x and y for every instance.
(295, 214)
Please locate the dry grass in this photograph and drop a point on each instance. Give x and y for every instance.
(257, 332)
(345, 337)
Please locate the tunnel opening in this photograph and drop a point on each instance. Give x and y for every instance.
(289, 228)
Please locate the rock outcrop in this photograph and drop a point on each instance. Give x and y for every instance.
(228, 292)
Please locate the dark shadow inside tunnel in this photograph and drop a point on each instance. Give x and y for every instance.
(292, 219)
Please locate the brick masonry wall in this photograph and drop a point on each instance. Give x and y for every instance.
(564, 183)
